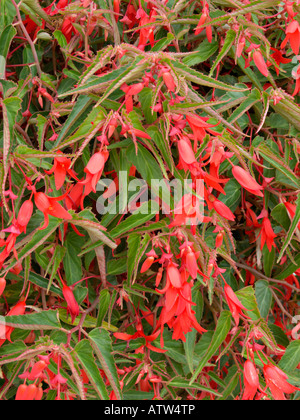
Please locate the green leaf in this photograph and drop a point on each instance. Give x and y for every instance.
(104, 302)
(72, 263)
(205, 50)
(291, 358)
(102, 345)
(269, 260)
(6, 38)
(84, 353)
(248, 299)
(37, 239)
(45, 320)
(264, 297)
(221, 332)
(184, 384)
(144, 214)
(203, 80)
(280, 214)
(228, 43)
(292, 229)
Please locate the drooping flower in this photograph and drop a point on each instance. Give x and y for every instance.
(18, 309)
(204, 19)
(277, 381)
(94, 170)
(200, 128)
(72, 305)
(292, 36)
(235, 306)
(219, 207)
(60, 169)
(277, 55)
(2, 285)
(24, 215)
(251, 380)
(149, 261)
(50, 206)
(260, 62)
(267, 233)
(247, 181)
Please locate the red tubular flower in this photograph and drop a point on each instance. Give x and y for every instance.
(94, 170)
(277, 55)
(2, 285)
(234, 304)
(49, 206)
(149, 261)
(37, 370)
(276, 380)
(60, 169)
(200, 126)
(21, 393)
(117, 9)
(24, 215)
(247, 181)
(73, 307)
(260, 62)
(18, 309)
(204, 19)
(251, 380)
(267, 233)
(220, 208)
(169, 81)
(292, 35)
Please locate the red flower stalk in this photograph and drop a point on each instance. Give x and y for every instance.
(49, 206)
(60, 170)
(292, 36)
(234, 304)
(72, 305)
(276, 380)
(247, 181)
(251, 380)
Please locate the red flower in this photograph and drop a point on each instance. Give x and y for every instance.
(200, 126)
(24, 215)
(278, 57)
(234, 304)
(49, 206)
(204, 19)
(251, 380)
(219, 207)
(267, 233)
(2, 285)
(276, 380)
(292, 35)
(247, 181)
(94, 170)
(18, 309)
(260, 62)
(60, 169)
(149, 261)
(73, 307)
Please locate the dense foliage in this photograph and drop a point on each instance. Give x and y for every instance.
(112, 284)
